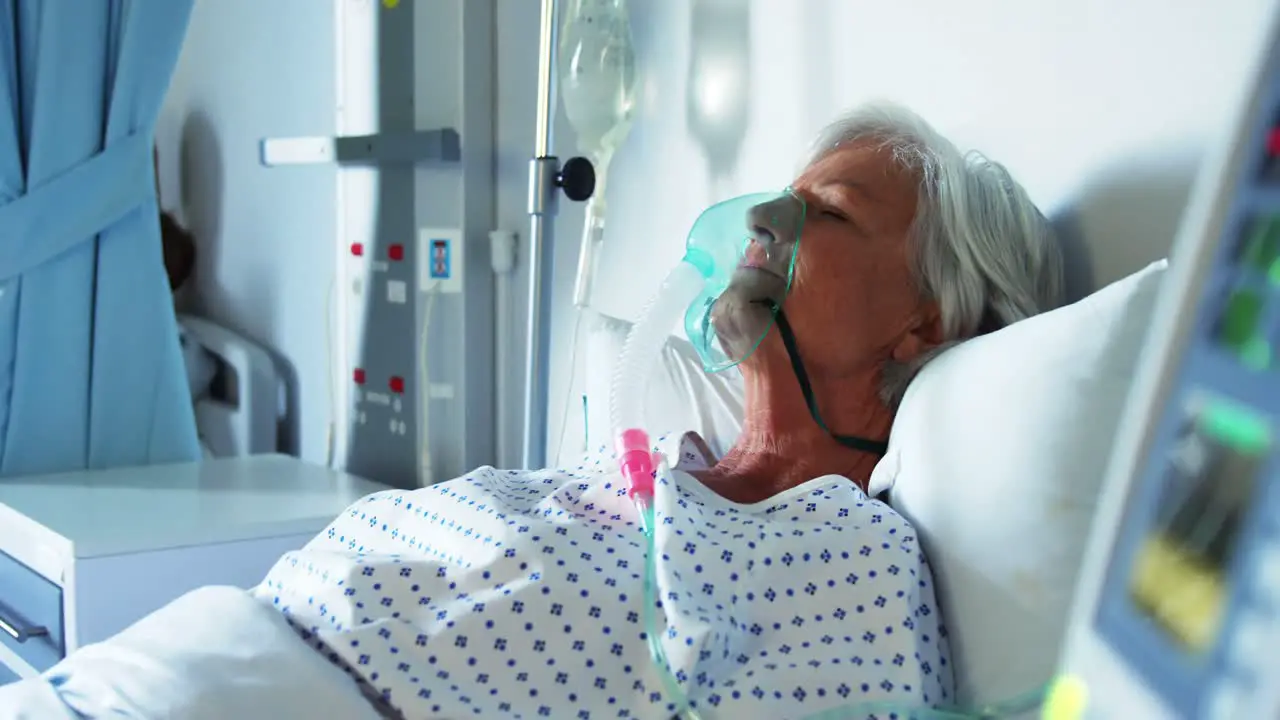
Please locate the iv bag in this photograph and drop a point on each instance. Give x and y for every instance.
(597, 74)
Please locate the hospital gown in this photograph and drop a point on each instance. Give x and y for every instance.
(521, 594)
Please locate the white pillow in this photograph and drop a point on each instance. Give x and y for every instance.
(996, 457)
(679, 395)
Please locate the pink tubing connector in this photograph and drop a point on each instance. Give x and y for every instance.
(635, 460)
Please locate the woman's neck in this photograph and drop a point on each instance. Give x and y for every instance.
(782, 446)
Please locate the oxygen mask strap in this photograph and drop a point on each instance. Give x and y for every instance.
(874, 447)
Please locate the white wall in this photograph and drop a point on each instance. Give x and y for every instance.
(250, 70)
(266, 236)
(1076, 98)
(1101, 109)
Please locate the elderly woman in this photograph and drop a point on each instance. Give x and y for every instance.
(782, 589)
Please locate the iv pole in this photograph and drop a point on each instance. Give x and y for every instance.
(577, 178)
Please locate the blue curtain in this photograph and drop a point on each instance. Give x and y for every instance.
(90, 370)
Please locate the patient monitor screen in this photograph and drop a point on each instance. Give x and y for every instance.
(1180, 572)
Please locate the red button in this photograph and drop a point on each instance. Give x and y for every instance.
(397, 384)
(1273, 142)
(358, 376)
(357, 249)
(396, 252)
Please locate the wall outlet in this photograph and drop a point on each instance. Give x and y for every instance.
(397, 291)
(440, 259)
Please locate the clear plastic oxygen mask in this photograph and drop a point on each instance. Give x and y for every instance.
(597, 84)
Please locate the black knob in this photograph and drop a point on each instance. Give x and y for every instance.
(578, 178)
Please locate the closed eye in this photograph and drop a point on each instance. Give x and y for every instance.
(830, 213)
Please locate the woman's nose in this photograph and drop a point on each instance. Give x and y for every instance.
(774, 222)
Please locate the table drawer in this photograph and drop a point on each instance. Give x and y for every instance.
(30, 614)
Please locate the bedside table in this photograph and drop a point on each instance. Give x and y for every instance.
(83, 555)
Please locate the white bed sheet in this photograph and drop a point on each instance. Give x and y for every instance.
(212, 654)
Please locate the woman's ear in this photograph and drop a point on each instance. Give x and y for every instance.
(924, 334)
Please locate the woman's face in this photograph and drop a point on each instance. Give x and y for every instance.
(853, 302)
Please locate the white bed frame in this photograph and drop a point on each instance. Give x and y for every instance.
(242, 415)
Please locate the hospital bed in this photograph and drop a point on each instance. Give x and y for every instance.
(951, 468)
(1023, 418)
(238, 394)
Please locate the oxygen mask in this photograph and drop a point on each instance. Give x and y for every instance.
(745, 249)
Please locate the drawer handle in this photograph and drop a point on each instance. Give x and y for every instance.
(20, 632)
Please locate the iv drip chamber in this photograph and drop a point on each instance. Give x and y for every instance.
(588, 254)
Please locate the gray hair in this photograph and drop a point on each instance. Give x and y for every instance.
(981, 249)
